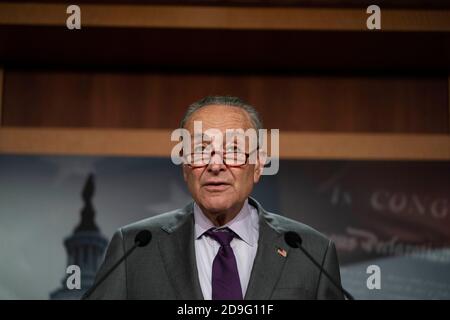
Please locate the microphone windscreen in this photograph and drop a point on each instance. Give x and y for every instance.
(293, 239)
(143, 238)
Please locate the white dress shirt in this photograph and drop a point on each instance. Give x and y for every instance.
(246, 226)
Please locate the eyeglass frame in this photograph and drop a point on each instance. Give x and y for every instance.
(247, 156)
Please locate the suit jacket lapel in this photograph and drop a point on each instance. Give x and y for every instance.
(268, 264)
(177, 251)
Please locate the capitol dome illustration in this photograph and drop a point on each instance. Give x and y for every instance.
(85, 247)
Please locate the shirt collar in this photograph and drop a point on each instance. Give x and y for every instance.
(242, 224)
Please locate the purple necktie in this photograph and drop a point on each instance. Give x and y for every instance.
(225, 277)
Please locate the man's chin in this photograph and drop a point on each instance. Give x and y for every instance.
(217, 204)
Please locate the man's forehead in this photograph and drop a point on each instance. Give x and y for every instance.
(220, 117)
(237, 134)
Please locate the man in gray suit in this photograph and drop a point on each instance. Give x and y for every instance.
(223, 245)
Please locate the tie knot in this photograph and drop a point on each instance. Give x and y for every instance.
(222, 236)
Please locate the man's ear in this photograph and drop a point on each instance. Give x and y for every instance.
(259, 165)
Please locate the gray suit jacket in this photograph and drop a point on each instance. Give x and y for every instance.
(166, 267)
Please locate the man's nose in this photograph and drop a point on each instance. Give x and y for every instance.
(216, 163)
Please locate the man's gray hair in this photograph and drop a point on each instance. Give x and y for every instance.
(225, 101)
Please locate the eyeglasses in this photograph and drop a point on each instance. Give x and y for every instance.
(230, 159)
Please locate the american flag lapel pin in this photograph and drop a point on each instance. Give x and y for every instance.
(282, 252)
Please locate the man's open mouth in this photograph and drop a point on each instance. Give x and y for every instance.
(216, 186)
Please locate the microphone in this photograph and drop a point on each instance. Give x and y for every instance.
(142, 239)
(294, 240)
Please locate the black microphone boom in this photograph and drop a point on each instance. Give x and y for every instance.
(294, 240)
(141, 240)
